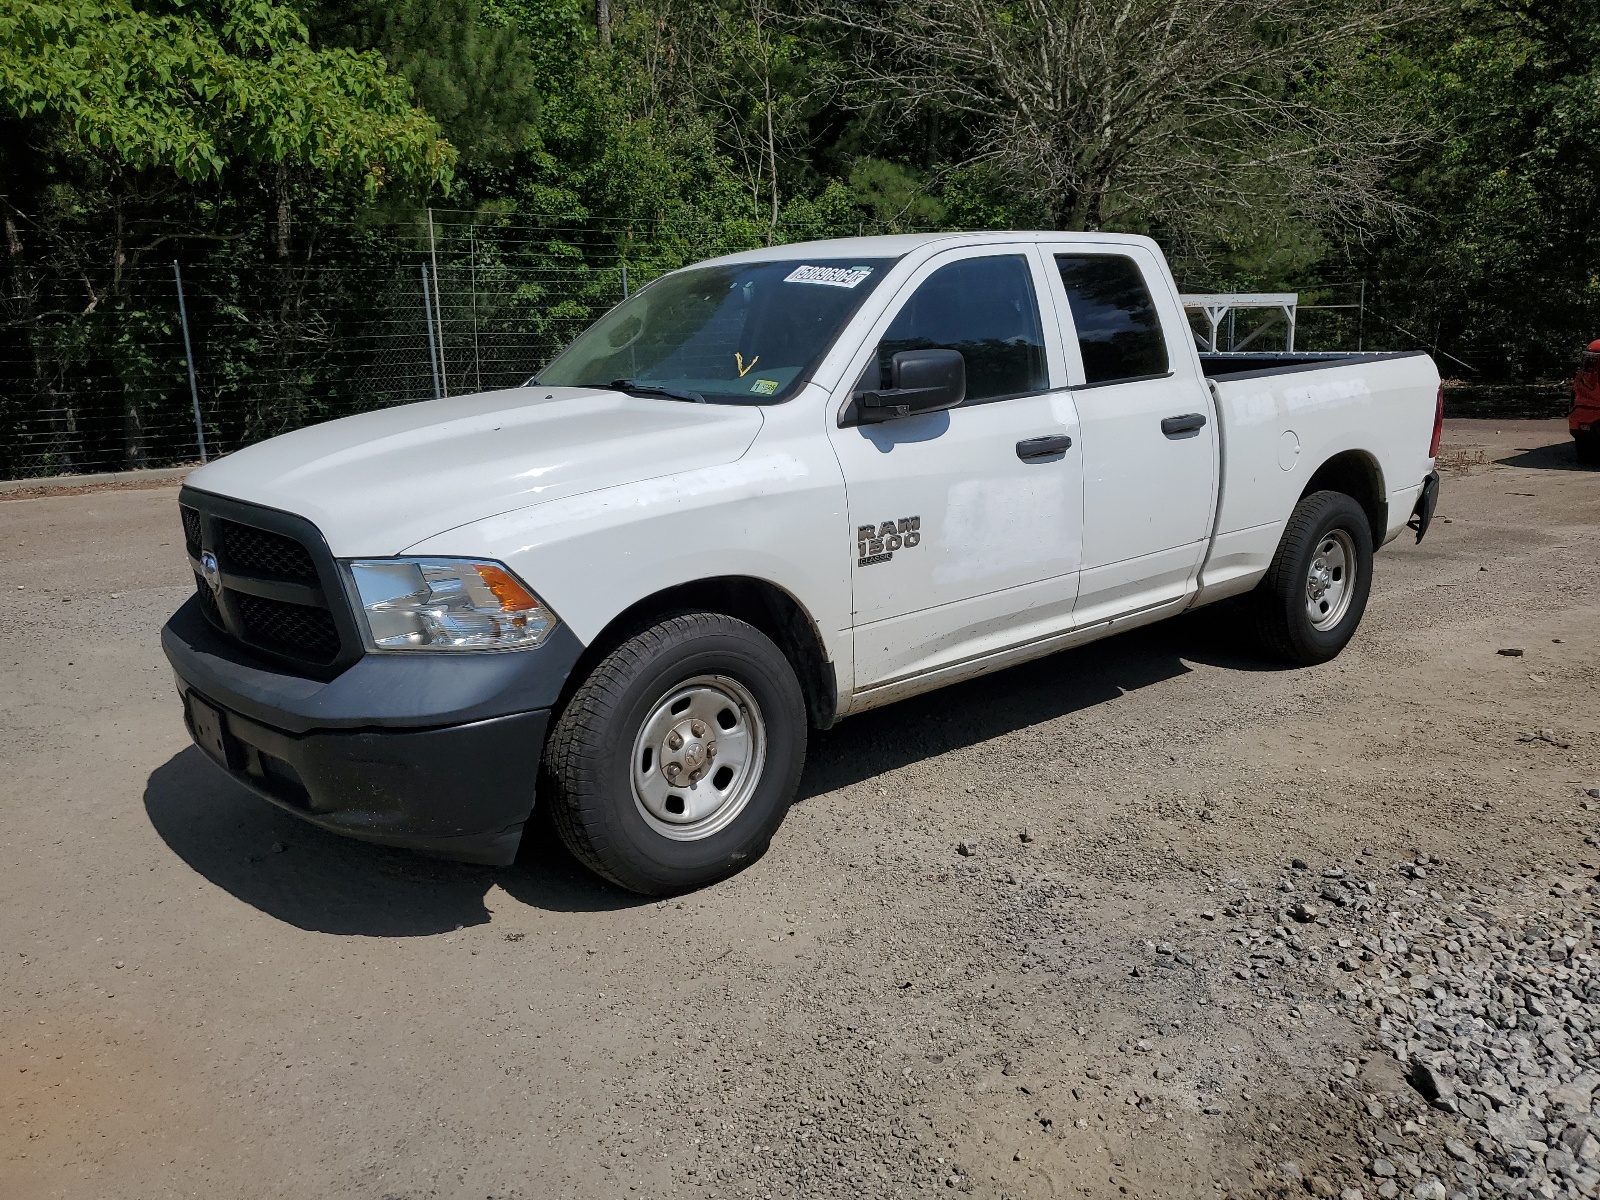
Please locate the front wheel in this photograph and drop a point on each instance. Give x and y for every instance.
(1587, 446)
(1313, 596)
(676, 759)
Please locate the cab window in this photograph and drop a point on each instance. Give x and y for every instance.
(1119, 330)
(986, 309)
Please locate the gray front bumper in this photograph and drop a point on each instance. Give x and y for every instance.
(435, 752)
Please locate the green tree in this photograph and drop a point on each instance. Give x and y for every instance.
(472, 68)
(1112, 114)
(1499, 266)
(125, 126)
(197, 88)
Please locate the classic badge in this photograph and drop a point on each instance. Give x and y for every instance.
(877, 543)
(209, 570)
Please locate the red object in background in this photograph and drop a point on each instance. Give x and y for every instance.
(1584, 419)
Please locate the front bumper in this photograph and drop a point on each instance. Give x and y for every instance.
(433, 752)
(461, 792)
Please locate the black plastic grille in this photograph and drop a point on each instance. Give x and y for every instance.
(294, 629)
(292, 625)
(208, 601)
(191, 529)
(250, 551)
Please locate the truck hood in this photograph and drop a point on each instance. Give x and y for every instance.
(381, 481)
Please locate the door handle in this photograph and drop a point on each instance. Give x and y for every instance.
(1043, 447)
(1188, 423)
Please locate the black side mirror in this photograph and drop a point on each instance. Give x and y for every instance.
(923, 381)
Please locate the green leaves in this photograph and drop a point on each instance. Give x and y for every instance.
(197, 89)
(1500, 261)
(476, 73)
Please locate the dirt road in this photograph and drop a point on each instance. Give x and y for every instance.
(1108, 996)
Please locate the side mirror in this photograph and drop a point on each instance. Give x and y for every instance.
(923, 381)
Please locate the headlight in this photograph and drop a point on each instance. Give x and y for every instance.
(447, 604)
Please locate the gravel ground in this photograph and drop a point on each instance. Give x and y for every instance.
(1148, 918)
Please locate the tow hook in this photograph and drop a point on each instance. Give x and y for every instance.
(1422, 514)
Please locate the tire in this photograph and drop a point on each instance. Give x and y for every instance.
(1327, 534)
(725, 695)
(1588, 448)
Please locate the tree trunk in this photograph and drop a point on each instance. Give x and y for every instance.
(602, 20)
(1064, 209)
(60, 418)
(772, 162)
(283, 211)
(1079, 208)
(133, 453)
(1094, 210)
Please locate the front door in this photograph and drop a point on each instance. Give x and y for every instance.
(967, 526)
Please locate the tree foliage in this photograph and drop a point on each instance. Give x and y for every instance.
(473, 71)
(1500, 267)
(1442, 154)
(1112, 111)
(196, 88)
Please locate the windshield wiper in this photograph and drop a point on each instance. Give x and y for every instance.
(634, 388)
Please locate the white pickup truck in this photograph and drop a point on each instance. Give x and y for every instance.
(766, 492)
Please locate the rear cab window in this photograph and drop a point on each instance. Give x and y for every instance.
(1118, 327)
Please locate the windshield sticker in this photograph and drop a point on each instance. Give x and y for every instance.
(744, 367)
(845, 277)
(764, 387)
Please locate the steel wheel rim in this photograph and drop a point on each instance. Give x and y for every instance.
(1331, 580)
(698, 758)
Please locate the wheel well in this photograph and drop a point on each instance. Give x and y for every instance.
(1356, 474)
(755, 601)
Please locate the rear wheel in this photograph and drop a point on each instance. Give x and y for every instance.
(1313, 596)
(676, 759)
(1588, 447)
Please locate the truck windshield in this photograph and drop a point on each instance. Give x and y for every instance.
(746, 333)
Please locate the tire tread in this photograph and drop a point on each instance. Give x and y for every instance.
(570, 766)
(1276, 624)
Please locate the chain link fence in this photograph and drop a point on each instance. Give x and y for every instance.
(362, 317)
(441, 307)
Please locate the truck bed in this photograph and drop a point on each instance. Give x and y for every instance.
(1361, 422)
(1221, 364)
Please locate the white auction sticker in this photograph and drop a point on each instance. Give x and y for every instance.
(845, 277)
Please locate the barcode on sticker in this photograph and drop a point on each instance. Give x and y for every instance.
(845, 277)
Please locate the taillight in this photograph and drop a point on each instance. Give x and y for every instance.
(1438, 424)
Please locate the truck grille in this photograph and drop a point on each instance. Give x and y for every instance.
(266, 579)
(257, 552)
(208, 600)
(191, 530)
(297, 630)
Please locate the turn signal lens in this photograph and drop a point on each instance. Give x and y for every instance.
(447, 604)
(512, 595)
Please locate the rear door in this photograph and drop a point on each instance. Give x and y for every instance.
(967, 536)
(1148, 428)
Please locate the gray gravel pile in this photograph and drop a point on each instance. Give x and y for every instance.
(1490, 1004)
(1457, 1020)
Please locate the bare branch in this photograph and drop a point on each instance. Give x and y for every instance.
(1141, 108)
